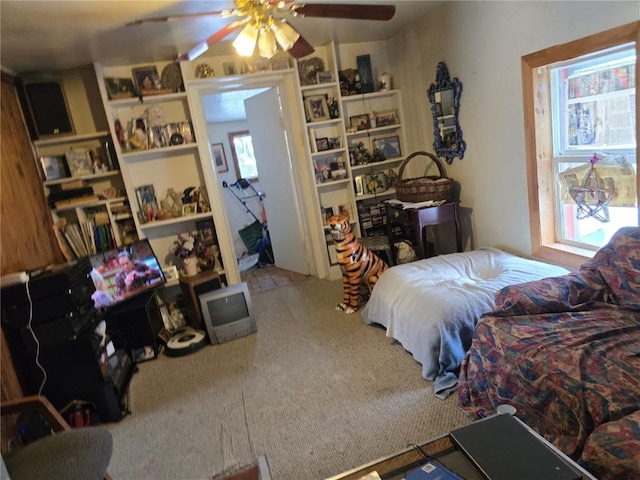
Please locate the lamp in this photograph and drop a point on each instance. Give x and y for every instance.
(245, 43)
(285, 34)
(263, 28)
(267, 43)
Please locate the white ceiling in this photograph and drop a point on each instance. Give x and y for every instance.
(41, 36)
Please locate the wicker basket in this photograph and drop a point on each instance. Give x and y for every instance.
(422, 189)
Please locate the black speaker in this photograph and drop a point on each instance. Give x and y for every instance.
(48, 108)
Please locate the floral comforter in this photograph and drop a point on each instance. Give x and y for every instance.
(565, 352)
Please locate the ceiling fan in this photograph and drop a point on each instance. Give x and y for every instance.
(264, 23)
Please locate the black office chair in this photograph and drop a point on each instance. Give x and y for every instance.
(82, 453)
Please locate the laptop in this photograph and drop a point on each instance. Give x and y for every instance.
(503, 448)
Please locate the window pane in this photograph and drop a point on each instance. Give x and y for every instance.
(576, 224)
(593, 104)
(594, 101)
(244, 153)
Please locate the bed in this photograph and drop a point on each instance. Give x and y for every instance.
(431, 306)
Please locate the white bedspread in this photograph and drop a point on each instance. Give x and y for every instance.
(431, 306)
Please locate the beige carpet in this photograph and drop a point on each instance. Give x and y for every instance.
(315, 391)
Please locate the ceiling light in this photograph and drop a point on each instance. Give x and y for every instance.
(286, 35)
(245, 43)
(267, 46)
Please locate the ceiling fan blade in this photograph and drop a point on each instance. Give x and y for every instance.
(301, 48)
(202, 47)
(358, 12)
(171, 18)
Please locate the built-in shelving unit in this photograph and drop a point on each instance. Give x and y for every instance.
(160, 167)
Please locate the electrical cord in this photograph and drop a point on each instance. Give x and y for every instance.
(44, 372)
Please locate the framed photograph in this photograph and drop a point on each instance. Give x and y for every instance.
(366, 72)
(229, 68)
(360, 122)
(280, 63)
(147, 198)
(359, 187)
(262, 66)
(388, 146)
(325, 77)
(55, 167)
(322, 144)
(190, 208)
(220, 159)
(79, 162)
(146, 78)
(170, 273)
(206, 231)
(388, 117)
(120, 88)
(335, 142)
(327, 213)
(317, 108)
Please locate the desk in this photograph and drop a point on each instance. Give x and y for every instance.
(420, 218)
(445, 451)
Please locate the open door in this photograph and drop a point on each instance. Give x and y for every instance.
(266, 126)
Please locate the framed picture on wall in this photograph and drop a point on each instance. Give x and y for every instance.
(220, 159)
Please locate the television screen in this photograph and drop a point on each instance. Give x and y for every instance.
(228, 312)
(124, 272)
(227, 309)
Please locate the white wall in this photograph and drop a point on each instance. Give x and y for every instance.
(236, 212)
(482, 44)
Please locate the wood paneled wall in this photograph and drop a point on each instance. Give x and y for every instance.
(26, 238)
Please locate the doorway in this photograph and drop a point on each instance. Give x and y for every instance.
(223, 111)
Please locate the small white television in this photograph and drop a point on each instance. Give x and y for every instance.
(228, 313)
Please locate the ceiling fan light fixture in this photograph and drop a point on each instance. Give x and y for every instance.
(198, 50)
(267, 46)
(285, 34)
(245, 42)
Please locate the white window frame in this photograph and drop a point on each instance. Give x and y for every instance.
(539, 140)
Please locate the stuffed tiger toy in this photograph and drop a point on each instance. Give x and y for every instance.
(357, 262)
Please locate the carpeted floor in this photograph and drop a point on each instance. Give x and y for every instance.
(314, 390)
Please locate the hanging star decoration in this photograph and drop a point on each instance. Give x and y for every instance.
(594, 195)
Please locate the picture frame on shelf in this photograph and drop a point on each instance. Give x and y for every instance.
(219, 157)
(386, 118)
(359, 185)
(335, 142)
(120, 87)
(54, 167)
(146, 195)
(360, 122)
(324, 77)
(146, 79)
(206, 231)
(170, 273)
(229, 68)
(280, 63)
(262, 65)
(388, 146)
(327, 213)
(366, 73)
(189, 208)
(322, 144)
(79, 162)
(317, 108)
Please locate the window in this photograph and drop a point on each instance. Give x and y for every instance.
(580, 119)
(243, 157)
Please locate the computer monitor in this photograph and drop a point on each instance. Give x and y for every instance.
(228, 313)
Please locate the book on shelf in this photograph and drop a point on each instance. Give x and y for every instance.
(72, 185)
(76, 201)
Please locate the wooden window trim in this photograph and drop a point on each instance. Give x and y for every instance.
(538, 138)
